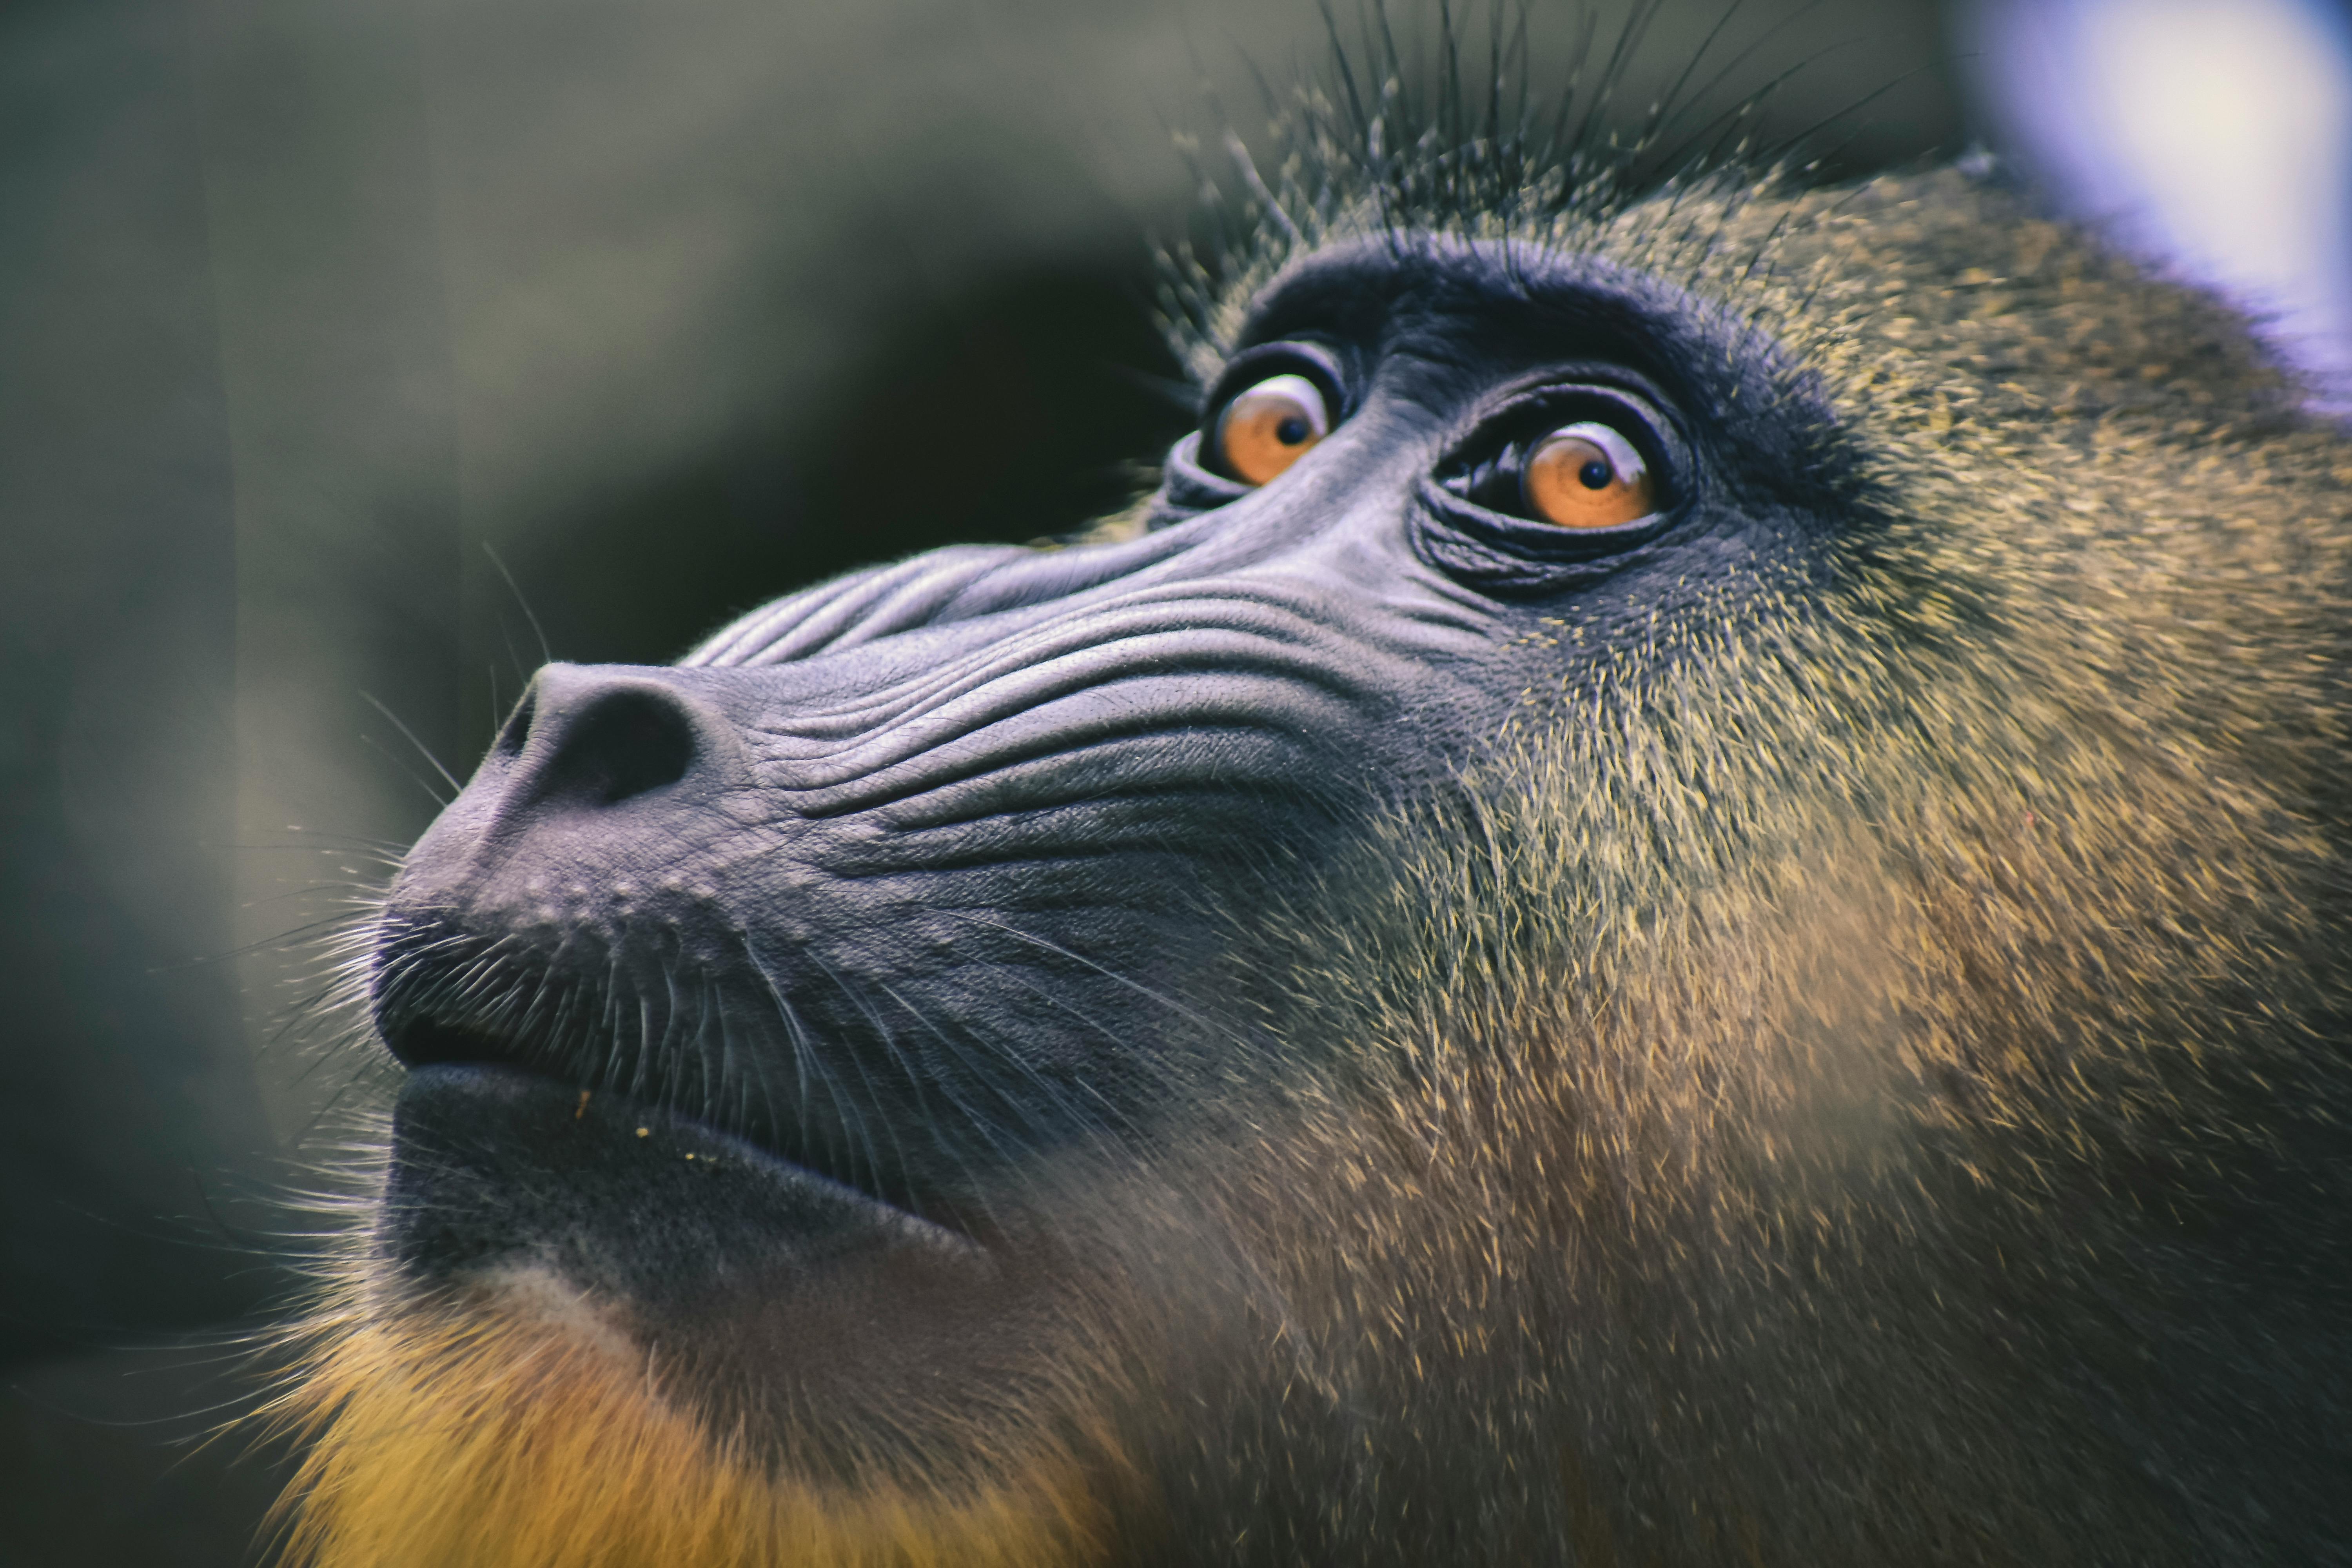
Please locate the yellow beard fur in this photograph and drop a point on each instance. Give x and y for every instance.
(521, 1432)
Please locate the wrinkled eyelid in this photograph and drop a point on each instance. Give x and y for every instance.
(1316, 362)
(1632, 419)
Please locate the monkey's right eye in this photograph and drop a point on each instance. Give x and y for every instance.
(1270, 426)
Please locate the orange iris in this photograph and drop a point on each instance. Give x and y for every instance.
(1271, 426)
(1587, 475)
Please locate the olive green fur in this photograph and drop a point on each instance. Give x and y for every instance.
(1857, 1075)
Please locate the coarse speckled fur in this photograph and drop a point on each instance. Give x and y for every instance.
(1856, 1075)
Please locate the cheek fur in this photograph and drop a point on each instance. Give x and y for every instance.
(500, 1434)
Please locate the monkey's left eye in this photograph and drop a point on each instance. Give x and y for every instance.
(1586, 475)
(1580, 459)
(1270, 426)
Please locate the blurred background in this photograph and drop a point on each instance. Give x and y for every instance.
(354, 354)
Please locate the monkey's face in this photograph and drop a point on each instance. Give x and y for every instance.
(970, 1062)
(772, 1004)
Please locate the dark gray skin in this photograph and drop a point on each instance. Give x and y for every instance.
(904, 875)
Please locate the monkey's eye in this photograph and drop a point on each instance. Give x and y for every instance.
(1270, 426)
(1560, 478)
(1587, 476)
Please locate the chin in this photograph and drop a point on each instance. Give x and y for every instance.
(584, 1329)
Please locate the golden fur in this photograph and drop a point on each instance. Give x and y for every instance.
(519, 1431)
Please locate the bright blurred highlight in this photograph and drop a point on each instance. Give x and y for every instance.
(2216, 133)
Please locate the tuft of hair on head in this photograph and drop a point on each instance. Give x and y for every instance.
(1485, 122)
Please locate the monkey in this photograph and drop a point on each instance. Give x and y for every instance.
(1680, 898)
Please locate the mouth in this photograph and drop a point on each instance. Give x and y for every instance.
(782, 1309)
(497, 1169)
(685, 1085)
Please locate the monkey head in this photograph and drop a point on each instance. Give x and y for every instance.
(1679, 897)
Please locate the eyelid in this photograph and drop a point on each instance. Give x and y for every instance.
(1502, 553)
(1293, 356)
(1511, 424)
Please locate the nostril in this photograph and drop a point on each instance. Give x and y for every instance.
(618, 744)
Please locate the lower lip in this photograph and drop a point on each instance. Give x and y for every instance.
(493, 1168)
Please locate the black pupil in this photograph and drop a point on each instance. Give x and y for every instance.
(1291, 431)
(1596, 474)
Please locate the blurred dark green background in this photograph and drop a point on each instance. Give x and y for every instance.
(674, 306)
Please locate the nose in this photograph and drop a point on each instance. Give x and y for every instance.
(589, 738)
(592, 793)
(595, 780)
